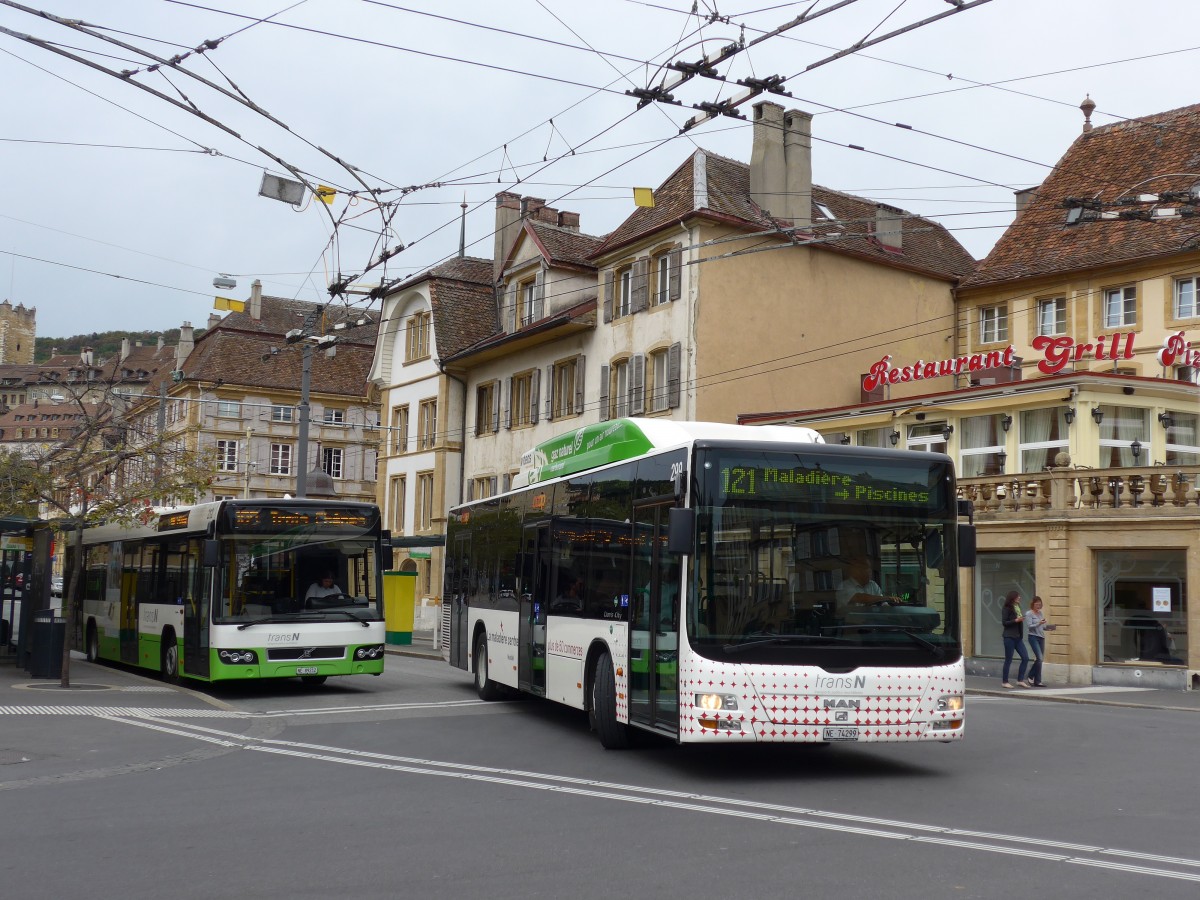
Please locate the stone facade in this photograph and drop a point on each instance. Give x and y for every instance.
(18, 328)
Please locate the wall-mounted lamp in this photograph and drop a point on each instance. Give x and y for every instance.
(845, 439)
(1006, 422)
(894, 437)
(1166, 420)
(1069, 415)
(947, 430)
(1097, 414)
(1002, 458)
(1136, 449)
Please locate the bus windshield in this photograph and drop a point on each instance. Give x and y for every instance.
(305, 574)
(825, 556)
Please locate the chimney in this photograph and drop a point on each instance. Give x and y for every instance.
(768, 179)
(124, 350)
(797, 153)
(568, 220)
(213, 320)
(530, 206)
(256, 300)
(185, 346)
(547, 214)
(1088, 105)
(159, 345)
(1024, 198)
(508, 222)
(889, 226)
(85, 356)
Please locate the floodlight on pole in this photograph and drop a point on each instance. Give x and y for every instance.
(283, 189)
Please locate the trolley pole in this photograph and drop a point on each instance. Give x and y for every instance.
(302, 439)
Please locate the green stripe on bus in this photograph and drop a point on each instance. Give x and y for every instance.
(587, 448)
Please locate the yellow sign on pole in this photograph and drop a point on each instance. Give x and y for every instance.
(326, 194)
(643, 196)
(229, 304)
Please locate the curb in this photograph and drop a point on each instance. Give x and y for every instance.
(976, 692)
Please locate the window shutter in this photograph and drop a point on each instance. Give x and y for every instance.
(510, 314)
(637, 384)
(675, 277)
(579, 370)
(674, 357)
(539, 295)
(640, 284)
(475, 432)
(470, 490)
(534, 399)
(500, 295)
(495, 406)
(493, 485)
(506, 483)
(550, 393)
(508, 392)
(604, 376)
(608, 296)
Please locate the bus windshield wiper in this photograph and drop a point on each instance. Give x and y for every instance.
(933, 648)
(347, 614)
(263, 621)
(783, 639)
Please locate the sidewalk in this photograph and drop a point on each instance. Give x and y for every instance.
(1103, 695)
(420, 648)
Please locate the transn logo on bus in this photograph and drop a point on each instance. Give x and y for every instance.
(833, 683)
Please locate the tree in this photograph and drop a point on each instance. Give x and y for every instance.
(99, 456)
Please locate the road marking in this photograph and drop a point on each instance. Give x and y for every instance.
(705, 804)
(157, 713)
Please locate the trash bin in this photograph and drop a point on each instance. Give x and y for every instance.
(399, 593)
(46, 647)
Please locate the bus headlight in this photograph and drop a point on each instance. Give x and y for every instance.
(371, 651)
(950, 703)
(716, 701)
(237, 657)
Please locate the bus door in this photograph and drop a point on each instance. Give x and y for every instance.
(197, 586)
(128, 618)
(535, 592)
(654, 625)
(460, 587)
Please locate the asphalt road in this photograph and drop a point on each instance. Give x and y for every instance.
(406, 785)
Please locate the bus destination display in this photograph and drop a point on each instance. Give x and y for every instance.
(274, 518)
(802, 484)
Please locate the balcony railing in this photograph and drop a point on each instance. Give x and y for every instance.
(1058, 491)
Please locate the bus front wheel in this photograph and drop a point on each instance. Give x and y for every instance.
(93, 643)
(484, 686)
(169, 663)
(603, 712)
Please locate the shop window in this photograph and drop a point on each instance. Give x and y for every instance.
(995, 575)
(1120, 427)
(928, 438)
(874, 437)
(1043, 435)
(1183, 439)
(982, 445)
(1143, 606)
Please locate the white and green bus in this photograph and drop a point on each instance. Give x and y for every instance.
(717, 583)
(224, 590)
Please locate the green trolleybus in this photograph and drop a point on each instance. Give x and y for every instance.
(717, 583)
(221, 591)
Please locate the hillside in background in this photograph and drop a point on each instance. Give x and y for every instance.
(104, 344)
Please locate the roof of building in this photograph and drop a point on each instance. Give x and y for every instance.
(724, 195)
(1111, 162)
(564, 246)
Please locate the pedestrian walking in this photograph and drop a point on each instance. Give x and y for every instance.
(1036, 627)
(1011, 618)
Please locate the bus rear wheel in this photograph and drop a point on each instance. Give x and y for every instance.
(93, 643)
(169, 662)
(603, 713)
(484, 686)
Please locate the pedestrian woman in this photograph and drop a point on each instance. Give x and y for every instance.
(1011, 618)
(1035, 627)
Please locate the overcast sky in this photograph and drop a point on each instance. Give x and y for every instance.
(171, 200)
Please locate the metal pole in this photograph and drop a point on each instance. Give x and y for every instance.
(162, 427)
(302, 442)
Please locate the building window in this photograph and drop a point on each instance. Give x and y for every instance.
(418, 336)
(1142, 598)
(993, 324)
(282, 413)
(564, 384)
(981, 441)
(925, 437)
(424, 517)
(874, 437)
(1043, 435)
(619, 390)
(995, 575)
(1186, 305)
(526, 296)
(661, 267)
(1120, 427)
(1052, 316)
(482, 488)
(522, 400)
(1120, 307)
(426, 424)
(227, 456)
(660, 397)
(331, 461)
(399, 429)
(397, 490)
(487, 408)
(1183, 440)
(229, 409)
(624, 292)
(281, 459)
(334, 416)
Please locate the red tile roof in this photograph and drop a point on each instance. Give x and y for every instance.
(564, 246)
(1106, 164)
(463, 302)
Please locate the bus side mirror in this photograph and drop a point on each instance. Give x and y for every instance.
(966, 546)
(681, 530)
(212, 553)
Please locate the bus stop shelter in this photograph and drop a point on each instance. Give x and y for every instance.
(26, 549)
